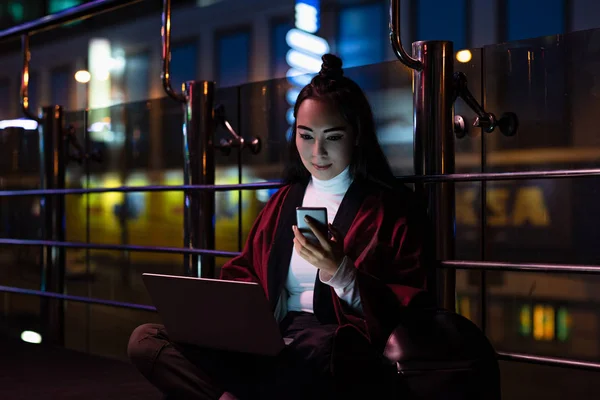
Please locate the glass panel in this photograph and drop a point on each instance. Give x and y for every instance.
(19, 219)
(129, 141)
(550, 83)
(61, 83)
(468, 201)
(137, 77)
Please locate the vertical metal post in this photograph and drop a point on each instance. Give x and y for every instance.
(433, 97)
(52, 162)
(199, 169)
(434, 150)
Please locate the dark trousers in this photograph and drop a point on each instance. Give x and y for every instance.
(300, 371)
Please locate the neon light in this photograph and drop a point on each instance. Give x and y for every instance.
(289, 116)
(306, 42)
(27, 124)
(307, 17)
(291, 97)
(298, 78)
(303, 62)
(306, 49)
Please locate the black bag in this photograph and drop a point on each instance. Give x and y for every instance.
(442, 355)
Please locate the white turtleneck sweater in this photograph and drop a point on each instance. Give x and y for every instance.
(301, 276)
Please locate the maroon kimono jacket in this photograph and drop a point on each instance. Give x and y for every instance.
(384, 236)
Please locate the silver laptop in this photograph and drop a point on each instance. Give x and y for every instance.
(219, 314)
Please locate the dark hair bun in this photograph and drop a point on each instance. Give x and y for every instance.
(331, 67)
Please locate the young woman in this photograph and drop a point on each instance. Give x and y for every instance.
(338, 298)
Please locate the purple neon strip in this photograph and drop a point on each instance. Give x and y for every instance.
(512, 266)
(93, 246)
(154, 188)
(79, 299)
(551, 361)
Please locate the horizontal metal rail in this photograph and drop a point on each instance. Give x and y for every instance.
(80, 299)
(550, 361)
(501, 176)
(133, 189)
(522, 267)
(476, 177)
(118, 247)
(72, 14)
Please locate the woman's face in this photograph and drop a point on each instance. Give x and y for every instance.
(323, 138)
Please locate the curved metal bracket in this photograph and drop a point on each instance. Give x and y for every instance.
(25, 79)
(508, 123)
(225, 145)
(166, 53)
(395, 38)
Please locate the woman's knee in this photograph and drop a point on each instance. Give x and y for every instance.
(144, 343)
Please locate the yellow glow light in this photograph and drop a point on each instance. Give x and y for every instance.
(464, 56)
(82, 76)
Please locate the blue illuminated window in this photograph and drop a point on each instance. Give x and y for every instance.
(137, 77)
(233, 58)
(279, 48)
(184, 62)
(443, 20)
(55, 6)
(362, 33)
(532, 18)
(60, 84)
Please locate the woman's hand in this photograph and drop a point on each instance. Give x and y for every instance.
(327, 255)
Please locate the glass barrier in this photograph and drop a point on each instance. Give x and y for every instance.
(19, 219)
(551, 83)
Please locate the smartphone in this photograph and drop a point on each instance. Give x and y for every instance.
(319, 214)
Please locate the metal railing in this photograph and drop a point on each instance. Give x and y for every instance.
(432, 67)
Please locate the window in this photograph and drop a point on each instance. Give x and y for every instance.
(60, 84)
(360, 32)
(233, 58)
(442, 20)
(528, 19)
(544, 322)
(184, 61)
(137, 77)
(279, 48)
(463, 306)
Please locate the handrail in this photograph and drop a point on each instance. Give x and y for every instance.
(165, 33)
(79, 299)
(77, 13)
(521, 267)
(395, 38)
(550, 361)
(119, 247)
(477, 177)
(25, 78)
(136, 189)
